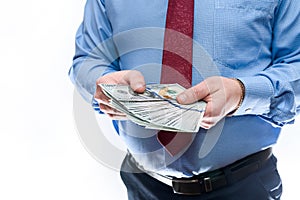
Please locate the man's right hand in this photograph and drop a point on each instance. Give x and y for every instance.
(127, 77)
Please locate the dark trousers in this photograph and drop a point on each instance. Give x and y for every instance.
(264, 184)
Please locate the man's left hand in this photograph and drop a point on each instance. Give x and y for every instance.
(221, 94)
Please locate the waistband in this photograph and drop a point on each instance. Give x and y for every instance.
(213, 180)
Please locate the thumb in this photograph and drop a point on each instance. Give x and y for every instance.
(193, 94)
(136, 81)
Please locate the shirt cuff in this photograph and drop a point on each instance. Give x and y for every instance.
(258, 93)
(96, 107)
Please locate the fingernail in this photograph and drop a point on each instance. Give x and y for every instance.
(182, 98)
(139, 85)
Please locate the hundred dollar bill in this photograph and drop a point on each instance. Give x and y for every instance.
(125, 93)
(157, 107)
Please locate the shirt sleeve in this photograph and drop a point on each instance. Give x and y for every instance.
(274, 93)
(95, 53)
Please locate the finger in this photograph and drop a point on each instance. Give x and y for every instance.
(100, 97)
(110, 110)
(99, 94)
(118, 117)
(193, 94)
(214, 112)
(208, 120)
(136, 81)
(207, 124)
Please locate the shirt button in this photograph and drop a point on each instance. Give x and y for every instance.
(248, 110)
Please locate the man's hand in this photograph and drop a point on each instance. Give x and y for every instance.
(127, 77)
(221, 94)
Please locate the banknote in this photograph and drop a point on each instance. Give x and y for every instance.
(157, 107)
(125, 93)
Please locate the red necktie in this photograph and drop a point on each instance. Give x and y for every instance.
(177, 62)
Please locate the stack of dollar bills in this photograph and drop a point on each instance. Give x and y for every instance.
(157, 107)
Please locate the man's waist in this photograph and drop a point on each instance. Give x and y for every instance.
(210, 149)
(209, 181)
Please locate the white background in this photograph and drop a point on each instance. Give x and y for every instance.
(41, 156)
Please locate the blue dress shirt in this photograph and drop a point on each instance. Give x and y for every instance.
(256, 41)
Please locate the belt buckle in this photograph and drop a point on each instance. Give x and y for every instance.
(207, 184)
(192, 186)
(186, 186)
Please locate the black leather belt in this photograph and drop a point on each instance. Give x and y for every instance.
(210, 181)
